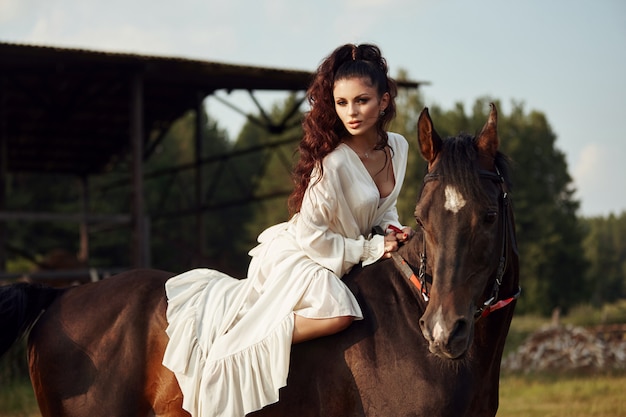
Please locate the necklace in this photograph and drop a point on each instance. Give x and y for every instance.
(366, 154)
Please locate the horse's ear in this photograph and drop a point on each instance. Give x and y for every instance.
(488, 142)
(428, 139)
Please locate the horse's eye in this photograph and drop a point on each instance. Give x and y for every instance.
(491, 216)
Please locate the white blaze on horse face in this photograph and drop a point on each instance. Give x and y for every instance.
(438, 329)
(454, 199)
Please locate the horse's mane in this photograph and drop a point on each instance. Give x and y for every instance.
(457, 165)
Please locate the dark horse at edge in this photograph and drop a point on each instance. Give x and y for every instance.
(436, 316)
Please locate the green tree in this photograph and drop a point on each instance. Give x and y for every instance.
(409, 103)
(30, 241)
(169, 199)
(605, 249)
(269, 168)
(550, 236)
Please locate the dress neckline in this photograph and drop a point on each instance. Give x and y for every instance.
(366, 172)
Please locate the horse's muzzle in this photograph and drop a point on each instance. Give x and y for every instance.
(447, 340)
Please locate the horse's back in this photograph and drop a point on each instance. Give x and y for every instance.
(97, 350)
(378, 367)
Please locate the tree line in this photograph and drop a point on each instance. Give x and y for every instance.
(565, 259)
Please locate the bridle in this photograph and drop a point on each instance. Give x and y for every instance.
(492, 303)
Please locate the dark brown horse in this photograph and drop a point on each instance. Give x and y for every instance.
(427, 346)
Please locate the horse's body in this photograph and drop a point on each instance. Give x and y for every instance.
(97, 349)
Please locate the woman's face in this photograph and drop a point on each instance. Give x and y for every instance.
(358, 104)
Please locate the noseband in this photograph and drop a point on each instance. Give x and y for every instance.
(492, 303)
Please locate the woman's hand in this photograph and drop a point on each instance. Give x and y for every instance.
(391, 244)
(405, 234)
(395, 237)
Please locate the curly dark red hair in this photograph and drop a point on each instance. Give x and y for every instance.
(323, 130)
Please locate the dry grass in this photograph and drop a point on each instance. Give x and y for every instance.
(563, 396)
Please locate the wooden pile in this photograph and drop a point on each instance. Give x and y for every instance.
(567, 348)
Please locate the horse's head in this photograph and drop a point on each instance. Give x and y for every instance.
(463, 216)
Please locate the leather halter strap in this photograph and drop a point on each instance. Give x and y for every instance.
(491, 304)
(403, 266)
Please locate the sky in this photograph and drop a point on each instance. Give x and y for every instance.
(564, 58)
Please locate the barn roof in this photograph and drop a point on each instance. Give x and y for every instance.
(69, 110)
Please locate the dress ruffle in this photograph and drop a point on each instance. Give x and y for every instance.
(249, 379)
(199, 314)
(229, 346)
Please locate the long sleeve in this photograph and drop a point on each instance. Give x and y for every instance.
(327, 229)
(390, 217)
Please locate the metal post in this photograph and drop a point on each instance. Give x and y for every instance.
(136, 144)
(83, 253)
(3, 169)
(200, 236)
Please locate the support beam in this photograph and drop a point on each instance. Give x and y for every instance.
(43, 216)
(138, 244)
(199, 130)
(83, 252)
(3, 169)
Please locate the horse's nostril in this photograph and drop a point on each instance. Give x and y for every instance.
(460, 329)
(425, 331)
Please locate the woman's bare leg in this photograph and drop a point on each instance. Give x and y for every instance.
(306, 329)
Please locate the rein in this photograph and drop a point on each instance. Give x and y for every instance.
(419, 281)
(492, 303)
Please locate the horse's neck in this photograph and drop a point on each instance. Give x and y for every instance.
(411, 252)
(389, 296)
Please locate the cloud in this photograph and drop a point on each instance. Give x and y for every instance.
(588, 163)
(597, 175)
(10, 9)
(121, 37)
(386, 4)
(135, 32)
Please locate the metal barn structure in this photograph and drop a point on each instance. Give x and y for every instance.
(73, 111)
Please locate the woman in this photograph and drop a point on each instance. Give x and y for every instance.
(230, 339)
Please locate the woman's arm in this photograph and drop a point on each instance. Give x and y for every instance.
(322, 206)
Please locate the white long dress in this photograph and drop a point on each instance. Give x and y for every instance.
(230, 339)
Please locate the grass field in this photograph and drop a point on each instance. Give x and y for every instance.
(563, 396)
(17, 399)
(520, 396)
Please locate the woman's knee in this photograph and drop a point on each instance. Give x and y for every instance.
(341, 323)
(306, 329)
